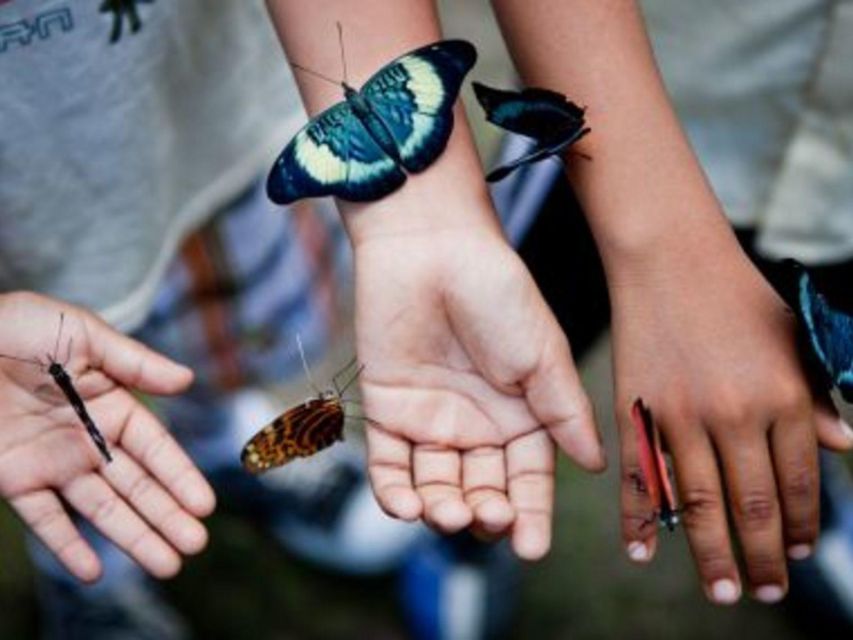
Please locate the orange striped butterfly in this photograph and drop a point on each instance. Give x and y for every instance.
(655, 479)
(303, 430)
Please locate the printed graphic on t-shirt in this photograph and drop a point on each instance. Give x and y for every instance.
(50, 23)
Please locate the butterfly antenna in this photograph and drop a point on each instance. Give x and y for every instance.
(68, 353)
(58, 336)
(27, 360)
(351, 380)
(316, 74)
(343, 54)
(305, 365)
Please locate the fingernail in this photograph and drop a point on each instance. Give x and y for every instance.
(799, 551)
(638, 551)
(725, 591)
(769, 593)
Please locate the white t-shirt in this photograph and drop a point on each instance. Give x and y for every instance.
(765, 89)
(110, 153)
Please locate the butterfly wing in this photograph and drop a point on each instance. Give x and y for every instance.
(414, 97)
(538, 113)
(333, 155)
(299, 432)
(830, 334)
(540, 152)
(641, 420)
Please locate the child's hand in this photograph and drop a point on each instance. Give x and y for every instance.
(148, 500)
(710, 347)
(468, 377)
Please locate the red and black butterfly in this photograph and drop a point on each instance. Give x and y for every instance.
(303, 430)
(653, 466)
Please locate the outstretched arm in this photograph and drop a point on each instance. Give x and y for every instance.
(468, 376)
(698, 333)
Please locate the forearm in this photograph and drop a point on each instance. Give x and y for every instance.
(447, 195)
(643, 186)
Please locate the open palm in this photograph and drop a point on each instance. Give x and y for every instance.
(468, 382)
(148, 500)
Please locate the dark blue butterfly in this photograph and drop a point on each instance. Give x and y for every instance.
(829, 332)
(398, 122)
(551, 119)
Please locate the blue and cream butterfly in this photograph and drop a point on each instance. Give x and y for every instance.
(398, 123)
(829, 332)
(553, 121)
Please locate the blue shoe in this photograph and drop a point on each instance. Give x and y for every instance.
(457, 588)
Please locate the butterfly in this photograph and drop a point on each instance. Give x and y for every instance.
(62, 379)
(653, 466)
(550, 118)
(829, 333)
(301, 431)
(399, 122)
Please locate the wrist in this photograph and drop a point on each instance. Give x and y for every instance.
(685, 249)
(449, 195)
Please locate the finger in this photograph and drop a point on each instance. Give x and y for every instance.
(133, 364)
(145, 439)
(485, 491)
(833, 432)
(155, 504)
(438, 480)
(93, 498)
(753, 498)
(639, 521)
(389, 464)
(559, 402)
(530, 479)
(44, 515)
(704, 515)
(795, 457)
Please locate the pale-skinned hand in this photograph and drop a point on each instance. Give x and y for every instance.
(468, 382)
(148, 501)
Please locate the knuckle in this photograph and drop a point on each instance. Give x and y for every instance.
(46, 519)
(105, 509)
(755, 510)
(633, 480)
(701, 506)
(733, 414)
(792, 400)
(140, 487)
(800, 485)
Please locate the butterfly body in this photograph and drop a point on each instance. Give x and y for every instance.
(548, 117)
(398, 123)
(653, 466)
(829, 333)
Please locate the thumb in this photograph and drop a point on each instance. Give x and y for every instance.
(133, 364)
(559, 402)
(833, 432)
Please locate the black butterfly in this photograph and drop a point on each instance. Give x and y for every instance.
(551, 119)
(829, 332)
(399, 122)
